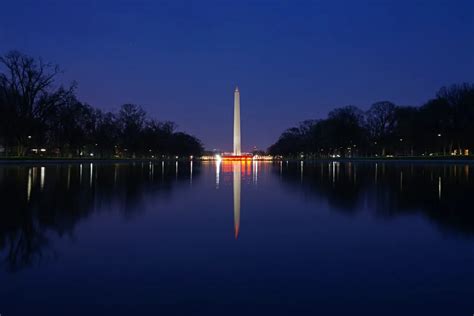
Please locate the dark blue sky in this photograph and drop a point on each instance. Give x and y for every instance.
(293, 60)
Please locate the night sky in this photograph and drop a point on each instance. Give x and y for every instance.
(292, 60)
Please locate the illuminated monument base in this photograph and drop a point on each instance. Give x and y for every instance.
(242, 156)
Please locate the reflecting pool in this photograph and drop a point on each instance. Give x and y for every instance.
(203, 238)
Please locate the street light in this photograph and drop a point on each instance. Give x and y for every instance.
(444, 149)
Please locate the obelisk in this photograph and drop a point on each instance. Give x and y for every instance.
(237, 151)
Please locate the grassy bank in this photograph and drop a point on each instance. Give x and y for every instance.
(460, 159)
(443, 159)
(19, 160)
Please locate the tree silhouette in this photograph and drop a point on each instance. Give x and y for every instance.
(35, 114)
(441, 126)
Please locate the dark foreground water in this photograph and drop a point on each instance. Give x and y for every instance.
(246, 239)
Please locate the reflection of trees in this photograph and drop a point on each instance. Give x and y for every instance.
(441, 193)
(32, 208)
(24, 245)
(336, 182)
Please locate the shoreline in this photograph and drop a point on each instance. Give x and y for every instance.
(53, 160)
(468, 160)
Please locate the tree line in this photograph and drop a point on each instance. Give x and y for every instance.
(443, 125)
(37, 117)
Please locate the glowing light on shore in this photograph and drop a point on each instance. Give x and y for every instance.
(232, 157)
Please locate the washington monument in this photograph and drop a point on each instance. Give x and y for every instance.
(237, 149)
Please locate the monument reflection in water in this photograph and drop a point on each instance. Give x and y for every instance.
(235, 168)
(330, 237)
(237, 178)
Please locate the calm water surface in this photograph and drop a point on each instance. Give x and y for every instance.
(237, 238)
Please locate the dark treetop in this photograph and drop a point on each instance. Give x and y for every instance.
(442, 126)
(38, 118)
(292, 60)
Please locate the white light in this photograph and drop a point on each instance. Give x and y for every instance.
(218, 171)
(439, 188)
(43, 172)
(42, 150)
(91, 154)
(92, 173)
(30, 179)
(218, 157)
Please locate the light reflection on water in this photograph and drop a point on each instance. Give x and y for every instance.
(460, 180)
(284, 227)
(236, 176)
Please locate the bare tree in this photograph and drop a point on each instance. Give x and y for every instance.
(28, 94)
(381, 119)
